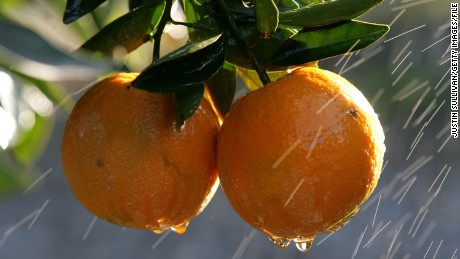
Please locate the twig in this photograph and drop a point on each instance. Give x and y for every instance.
(263, 76)
(165, 18)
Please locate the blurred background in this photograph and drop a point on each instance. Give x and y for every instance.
(414, 212)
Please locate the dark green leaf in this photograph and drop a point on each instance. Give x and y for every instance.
(246, 8)
(291, 4)
(207, 27)
(77, 8)
(133, 4)
(187, 102)
(327, 12)
(184, 68)
(267, 16)
(322, 42)
(202, 2)
(129, 31)
(222, 87)
(240, 7)
(310, 2)
(263, 49)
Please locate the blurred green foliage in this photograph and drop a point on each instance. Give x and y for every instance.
(31, 87)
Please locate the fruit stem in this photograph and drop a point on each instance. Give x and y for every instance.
(165, 18)
(263, 76)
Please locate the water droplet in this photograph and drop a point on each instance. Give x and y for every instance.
(279, 241)
(304, 245)
(181, 228)
(161, 226)
(154, 229)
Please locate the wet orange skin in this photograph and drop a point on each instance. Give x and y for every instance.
(126, 163)
(304, 194)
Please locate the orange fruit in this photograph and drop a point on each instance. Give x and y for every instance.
(126, 162)
(299, 156)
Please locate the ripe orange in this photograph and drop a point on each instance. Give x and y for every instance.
(299, 156)
(127, 164)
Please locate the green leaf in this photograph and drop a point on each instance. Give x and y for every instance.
(310, 2)
(194, 11)
(184, 68)
(206, 27)
(186, 103)
(263, 49)
(327, 12)
(202, 2)
(222, 87)
(322, 42)
(291, 4)
(251, 78)
(129, 31)
(8, 180)
(245, 9)
(13, 177)
(134, 4)
(77, 8)
(266, 16)
(30, 144)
